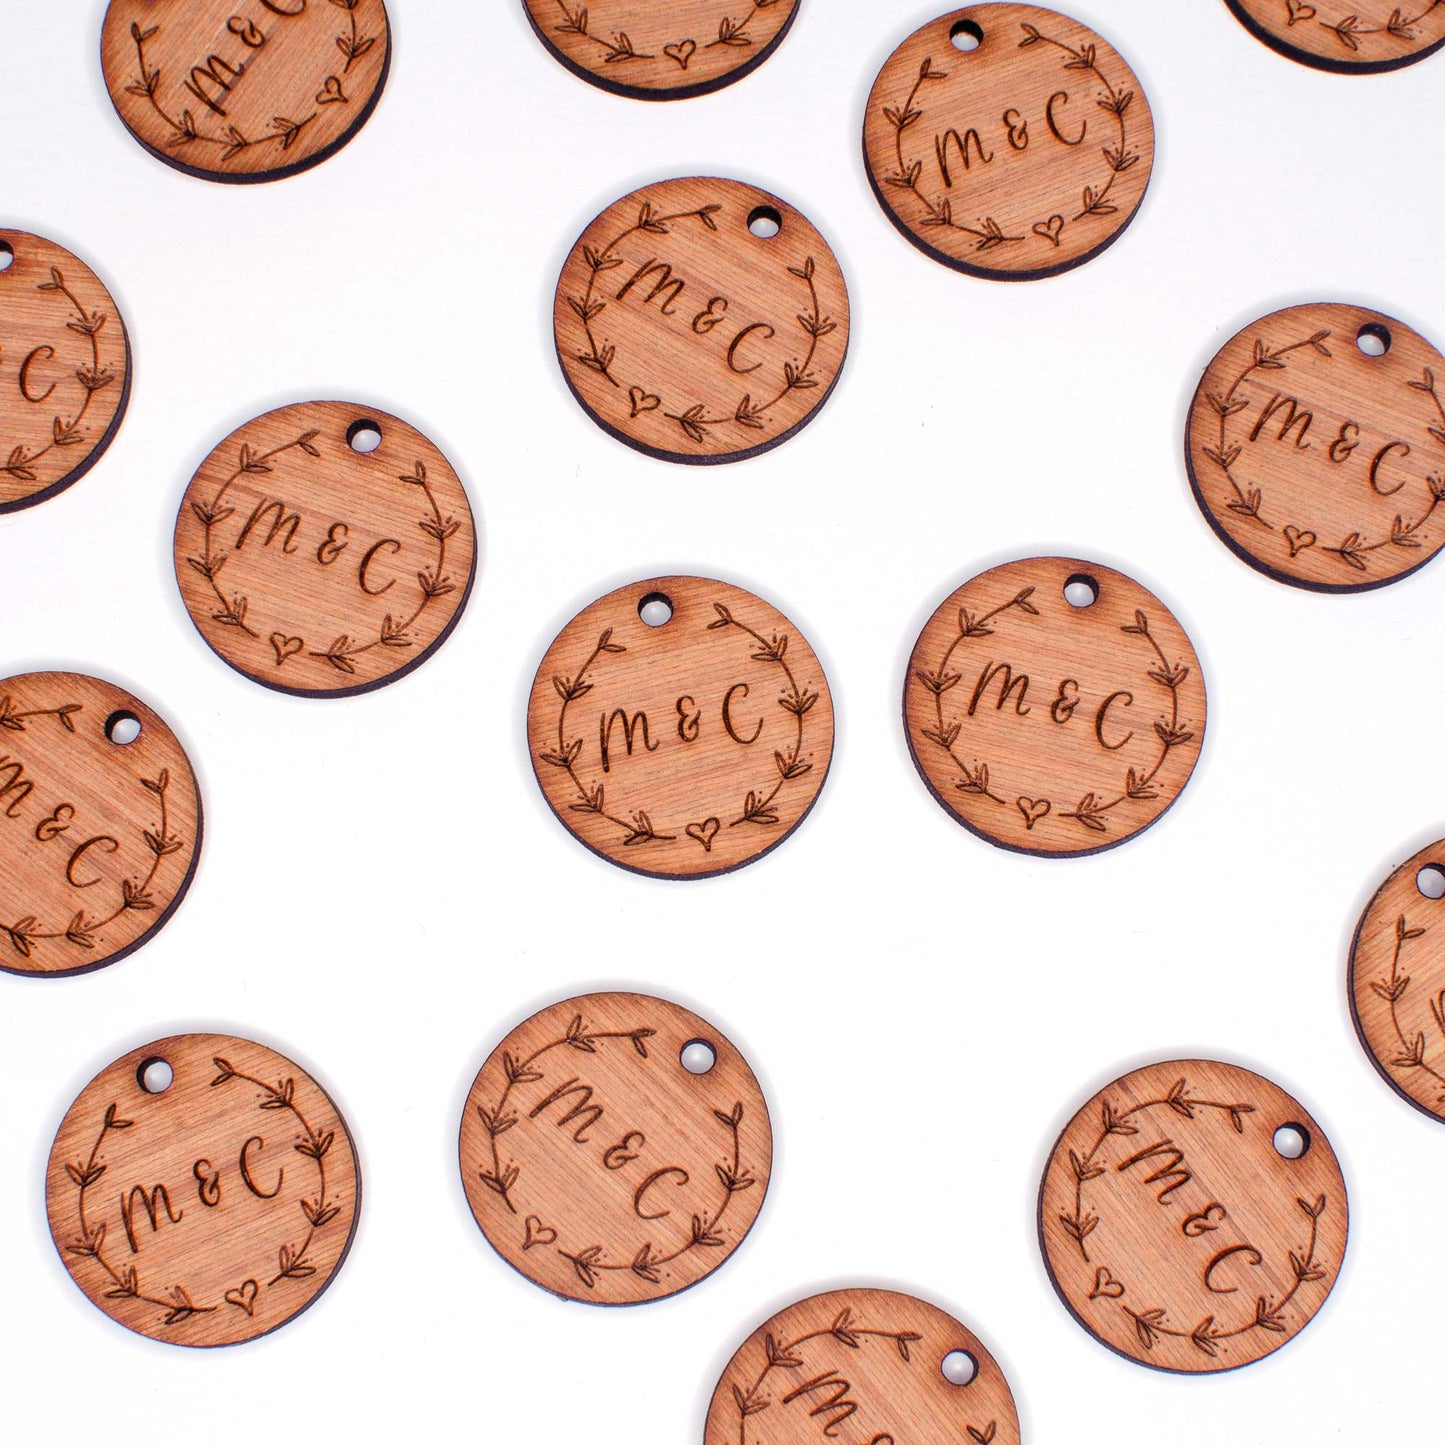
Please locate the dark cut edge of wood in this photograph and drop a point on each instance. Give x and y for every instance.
(1320, 62)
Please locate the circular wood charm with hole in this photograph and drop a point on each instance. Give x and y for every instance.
(1054, 706)
(203, 1190)
(680, 727)
(64, 369)
(1397, 980)
(701, 320)
(100, 823)
(871, 1361)
(1008, 141)
(616, 1149)
(1352, 36)
(689, 47)
(1316, 447)
(245, 90)
(1193, 1217)
(325, 549)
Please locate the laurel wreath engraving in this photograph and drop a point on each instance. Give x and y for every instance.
(1349, 30)
(618, 49)
(1392, 990)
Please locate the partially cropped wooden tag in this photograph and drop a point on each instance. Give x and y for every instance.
(245, 90)
(680, 727)
(203, 1190)
(701, 320)
(653, 52)
(1353, 36)
(1008, 141)
(616, 1149)
(64, 369)
(100, 823)
(867, 1365)
(1193, 1217)
(1054, 706)
(325, 549)
(1316, 447)
(1397, 980)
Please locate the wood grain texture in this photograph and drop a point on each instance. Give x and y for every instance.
(661, 52)
(211, 1213)
(598, 1166)
(64, 369)
(1019, 159)
(1397, 983)
(1348, 36)
(687, 336)
(99, 839)
(245, 90)
(683, 750)
(317, 569)
(864, 1365)
(1173, 1229)
(1318, 464)
(1049, 728)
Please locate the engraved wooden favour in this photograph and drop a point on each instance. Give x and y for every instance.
(680, 727)
(1354, 37)
(1055, 707)
(205, 1206)
(701, 320)
(600, 1165)
(864, 1365)
(1008, 141)
(1193, 1217)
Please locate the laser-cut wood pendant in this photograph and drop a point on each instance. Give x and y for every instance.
(688, 336)
(245, 90)
(64, 369)
(1020, 158)
(602, 1168)
(869, 1357)
(99, 837)
(685, 749)
(1317, 462)
(1052, 728)
(651, 52)
(210, 1213)
(1176, 1232)
(1351, 36)
(319, 569)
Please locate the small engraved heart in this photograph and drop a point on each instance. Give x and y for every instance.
(243, 1298)
(681, 53)
(1106, 1286)
(1051, 229)
(1033, 811)
(285, 646)
(643, 401)
(331, 93)
(538, 1233)
(1299, 541)
(1298, 11)
(704, 833)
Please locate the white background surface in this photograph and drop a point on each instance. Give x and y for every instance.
(383, 892)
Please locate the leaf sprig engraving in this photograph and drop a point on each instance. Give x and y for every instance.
(1349, 30)
(1412, 1055)
(618, 48)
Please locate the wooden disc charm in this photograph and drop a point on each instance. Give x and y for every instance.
(245, 90)
(209, 1210)
(680, 727)
(701, 320)
(599, 1164)
(647, 52)
(1180, 1222)
(1054, 707)
(100, 823)
(1316, 447)
(64, 369)
(319, 560)
(878, 1364)
(1397, 980)
(1008, 142)
(1352, 36)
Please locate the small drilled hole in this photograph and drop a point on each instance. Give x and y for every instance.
(698, 1057)
(155, 1076)
(765, 223)
(959, 1367)
(7, 255)
(363, 436)
(1430, 880)
(1373, 340)
(966, 35)
(1081, 591)
(122, 728)
(1291, 1141)
(655, 609)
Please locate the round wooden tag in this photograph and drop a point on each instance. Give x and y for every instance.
(680, 727)
(1316, 447)
(210, 1209)
(1009, 142)
(701, 320)
(100, 823)
(325, 549)
(1181, 1224)
(866, 1365)
(649, 53)
(245, 90)
(1054, 706)
(1352, 36)
(616, 1149)
(1397, 980)
(64, 369)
